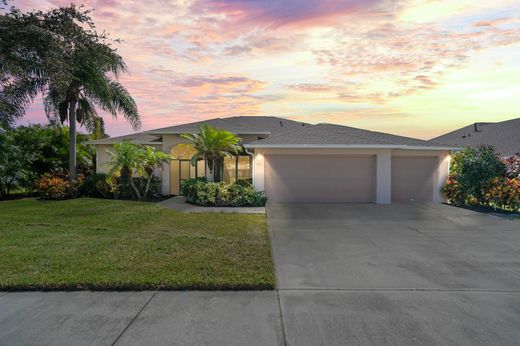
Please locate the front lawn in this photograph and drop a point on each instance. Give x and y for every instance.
(112, 244)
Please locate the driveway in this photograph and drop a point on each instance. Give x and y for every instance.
(347, 274)
(396, 274)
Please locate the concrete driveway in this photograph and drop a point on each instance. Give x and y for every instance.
(396, 274)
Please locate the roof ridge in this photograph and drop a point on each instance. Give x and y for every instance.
(285, 133)
(378, 132)
(355, 135)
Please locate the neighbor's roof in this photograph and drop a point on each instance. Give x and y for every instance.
(337, 136)
(503, 136)
(267, 125)
(137, 138)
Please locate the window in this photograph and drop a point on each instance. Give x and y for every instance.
(229, 169)
(236, 167)
(244, 167)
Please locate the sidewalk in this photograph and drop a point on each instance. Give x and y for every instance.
(140, 318)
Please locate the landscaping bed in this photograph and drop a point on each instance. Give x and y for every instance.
(100, 244)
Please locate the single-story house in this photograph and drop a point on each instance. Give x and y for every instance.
(504, 136)
(298, 162)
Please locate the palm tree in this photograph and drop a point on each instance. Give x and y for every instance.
(129, 160)
(212, 145)
(93, 87)
(59, 54)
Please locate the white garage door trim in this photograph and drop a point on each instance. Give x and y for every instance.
(320, 178)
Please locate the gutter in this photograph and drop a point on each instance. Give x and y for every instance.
(112, 143)
(348, 146)
(192, 132)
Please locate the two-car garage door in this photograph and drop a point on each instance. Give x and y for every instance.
(320, 178)
(346, 178)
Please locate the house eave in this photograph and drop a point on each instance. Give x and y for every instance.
(347, 146)
(160, 133)
(111, 143)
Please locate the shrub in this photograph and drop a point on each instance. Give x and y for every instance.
(513, 167)
(189, 188)
(453, 191)
(53, 186)
(13, 168)
(96, 185)
(474, 168)
(503, 193)
(240, 194)
(107, 186)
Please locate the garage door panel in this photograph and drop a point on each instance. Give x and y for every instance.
(320, 178)
(413, 178)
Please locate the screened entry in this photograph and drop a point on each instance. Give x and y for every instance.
(232, 169)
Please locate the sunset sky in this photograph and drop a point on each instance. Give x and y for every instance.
(412, 67)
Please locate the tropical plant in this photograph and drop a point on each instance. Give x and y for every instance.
(76, 71)
(512, 166)
(453, 192)
(503, 193)
(47, 147)
(13, 166)
(53, 186)
(473, 168)
(130, 161)
(212, 145)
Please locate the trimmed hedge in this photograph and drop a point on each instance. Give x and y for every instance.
(201, 192)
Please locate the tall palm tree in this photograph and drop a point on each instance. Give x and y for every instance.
(212, 145)
(59, 54)
(92, 87)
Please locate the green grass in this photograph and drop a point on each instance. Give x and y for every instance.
(105, 244)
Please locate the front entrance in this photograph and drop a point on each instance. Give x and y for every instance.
(230, 170)
(181, 170)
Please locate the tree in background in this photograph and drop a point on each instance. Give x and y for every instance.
(13, 170)
(212, 145)
(59, 54)
(28, 152)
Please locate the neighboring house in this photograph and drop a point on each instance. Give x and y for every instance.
(298, 162)
(504, 136)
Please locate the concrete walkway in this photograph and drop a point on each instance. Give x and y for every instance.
(178, 203)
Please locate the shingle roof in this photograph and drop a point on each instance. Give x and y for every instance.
(503, 136)
(323, 135)
(238, 125)
(137, 138)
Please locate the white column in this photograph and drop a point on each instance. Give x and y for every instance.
(384, 177)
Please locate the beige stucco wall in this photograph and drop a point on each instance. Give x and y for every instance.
(383, 167)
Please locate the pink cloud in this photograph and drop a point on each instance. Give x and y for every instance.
(278, 13)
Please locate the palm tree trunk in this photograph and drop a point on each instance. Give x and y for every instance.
(72, 140)
(210, 173)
